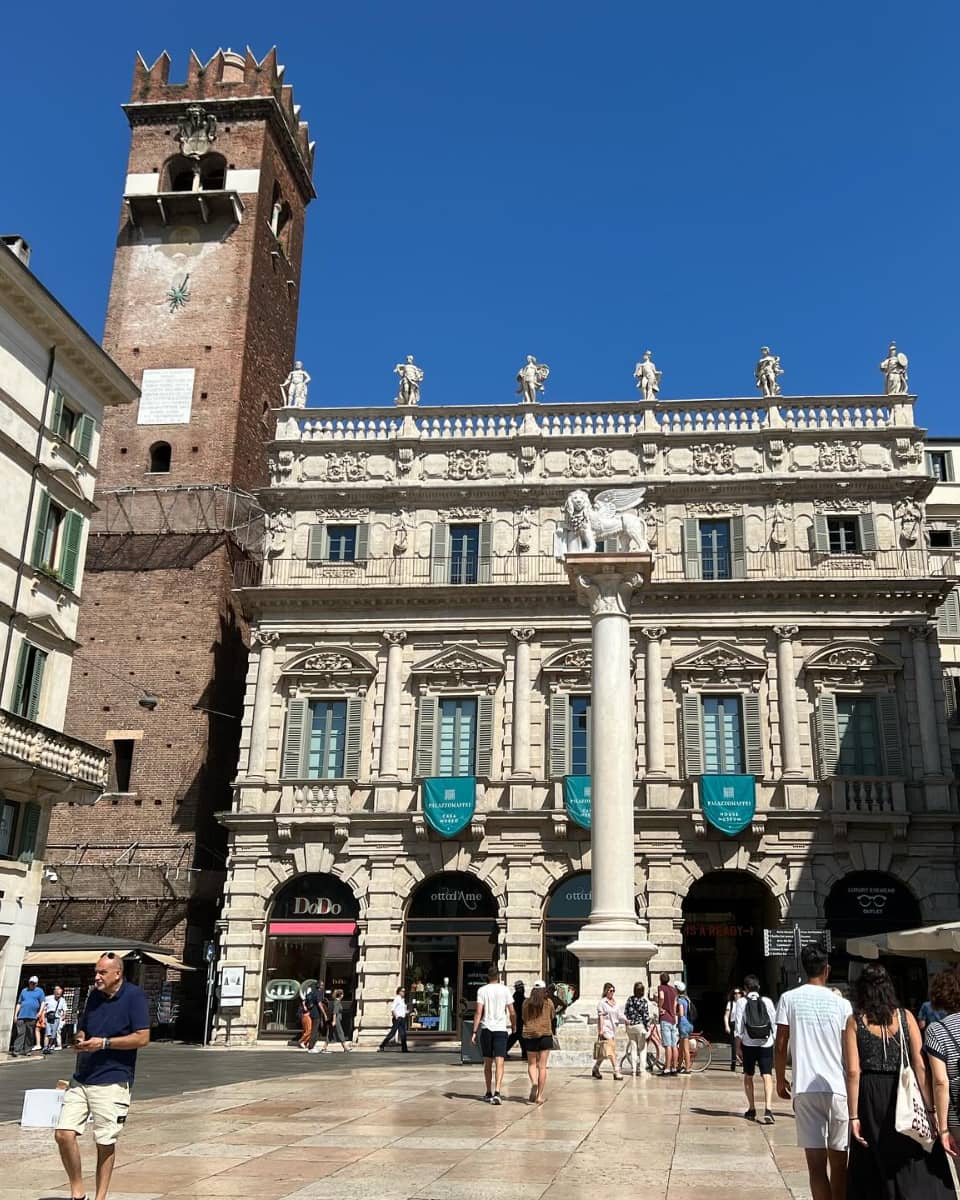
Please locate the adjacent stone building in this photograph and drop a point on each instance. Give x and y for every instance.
(415, 756)
(55, 384)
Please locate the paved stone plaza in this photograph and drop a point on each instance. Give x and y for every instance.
(410, 1129)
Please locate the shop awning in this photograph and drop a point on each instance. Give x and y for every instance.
(314, 928)
(931, 941)
(64, 948)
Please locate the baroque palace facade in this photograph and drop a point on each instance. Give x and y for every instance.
(411, 624)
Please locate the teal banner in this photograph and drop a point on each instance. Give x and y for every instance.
(728, 801)
(576, 799)
(448, 804)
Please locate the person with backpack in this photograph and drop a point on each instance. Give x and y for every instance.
(686, 1015)
(754, 1024)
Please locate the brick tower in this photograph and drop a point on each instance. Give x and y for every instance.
(203, 315)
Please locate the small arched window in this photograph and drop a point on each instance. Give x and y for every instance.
(160, 454)
(213, 173)
(179, 173)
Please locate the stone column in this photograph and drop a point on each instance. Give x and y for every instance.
(926, 705)
(653, 703)
(262, 703)
(390, 731)
(612, 944)
(521, 702)
(787, 693)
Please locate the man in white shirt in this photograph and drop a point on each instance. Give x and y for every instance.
(398, 1014)
(492, 1017)
(55, 1006)
(754, 1021)
(810, 1021)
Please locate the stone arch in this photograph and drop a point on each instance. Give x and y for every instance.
(292, 873)
(771, 874)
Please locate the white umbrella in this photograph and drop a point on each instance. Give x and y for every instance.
(932, 941)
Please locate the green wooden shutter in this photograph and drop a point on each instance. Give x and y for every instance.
(296, 740)
(440, 554)
(40, 529)
(738, 548)
(56, 413)
(316, 543)
(954, 539)
(752, 734)
(828, 735)
(948, 616)
(484, 764)
(691, 548)
(820, 534)
(29, 827)
(85, 435)
(485, 563)
(692, 734)
(868, 532)
(70, 548)
(428, 714)
(354, 738)
(36, 684)
(890, 733)
(950, 697)
(362, 545)
(19, 680)
(559, 735)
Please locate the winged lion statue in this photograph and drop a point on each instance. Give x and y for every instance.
(612, 513)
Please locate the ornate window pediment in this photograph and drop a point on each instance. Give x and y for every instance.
(457, 666)
(331, 668)
(570, 667)
(723, 664)
(851, 664)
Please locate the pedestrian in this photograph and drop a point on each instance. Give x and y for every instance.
(941, 1041)
(537, 1017)
(55, 1009)
(28, 1009)
(928, 1014)
(879, 1039)
(336, 1019)
(810, 1023)
(684, 1028)
(667, 1006)
(754, 1030)
(637, 1016)
(519, 995)
(306, 1019)
(609, 1016)
(493, 1011)
(398, 1016)
(732, 999)
(115, 1024)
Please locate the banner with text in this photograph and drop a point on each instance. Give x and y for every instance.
(728, 801)
(576, 799)
(449, 803)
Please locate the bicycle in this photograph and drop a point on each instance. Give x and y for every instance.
(701, 1052)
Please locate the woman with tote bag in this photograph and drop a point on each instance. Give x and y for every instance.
(888, 1094)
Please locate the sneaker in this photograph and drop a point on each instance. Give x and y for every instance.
(488, 1097)
(497, 1098)
(768, 1118)
(750, 1114)
(316, 1050)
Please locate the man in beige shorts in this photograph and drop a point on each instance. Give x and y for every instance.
(114, 1025)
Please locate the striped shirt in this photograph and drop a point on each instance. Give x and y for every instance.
(941, 1039)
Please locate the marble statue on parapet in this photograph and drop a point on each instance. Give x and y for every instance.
(531, 377)
(647, 376)
(411, 376)
(894, 368)
(294, 387)
(767, 372)
(613, 513)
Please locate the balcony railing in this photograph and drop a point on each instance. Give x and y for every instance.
(51, 751)
(760, 565)
(868, 796)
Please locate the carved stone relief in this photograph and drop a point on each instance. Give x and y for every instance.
(595, 461)
(839, 456)
(463, 512)
(349, 467)
(713, 459)
(468, 464)
(720, 663)
(342, 514)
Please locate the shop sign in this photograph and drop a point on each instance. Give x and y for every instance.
(576, 799)
(315, 895)
(232, 983)
(281, 989)
(728, 801)
(572, 899)
(449, 804)
(321, 906)
(452, 896)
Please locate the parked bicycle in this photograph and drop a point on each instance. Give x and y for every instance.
(701, 1052)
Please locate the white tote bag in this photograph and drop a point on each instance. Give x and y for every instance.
(911, 1117)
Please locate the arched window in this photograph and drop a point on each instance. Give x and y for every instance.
(178, 174)
(213, 173)
(160, 453)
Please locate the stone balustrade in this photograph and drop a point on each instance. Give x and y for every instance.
(868, 795)
(49, 750)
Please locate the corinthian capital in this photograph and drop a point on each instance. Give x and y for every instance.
(653, 633)
(786, 633)
(524, 634)
(607, 592)
(395, 637)
(263, 637)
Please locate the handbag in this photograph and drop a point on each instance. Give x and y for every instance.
(599, 1050)
(911, 1117)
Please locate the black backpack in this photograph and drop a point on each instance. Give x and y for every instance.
(756, 1019)
(691, 1010)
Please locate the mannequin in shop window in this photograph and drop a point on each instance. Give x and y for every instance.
(445, 1022)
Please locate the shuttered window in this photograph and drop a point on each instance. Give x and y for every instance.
(56, 541)
(29, 828)
(579, 735)
(8, 827)
(951, 695)
(455, 736)
(559, 735)
(948, 616)
(28, 681)
(461, 554)
(714, 549)
(858, 731)
(859, 735)
(722, 734)
(323, 739)
(71, 426)
(338, 543)
(843, 534)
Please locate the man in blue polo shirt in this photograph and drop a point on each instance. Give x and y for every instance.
(28, 1009)
(114, 1025)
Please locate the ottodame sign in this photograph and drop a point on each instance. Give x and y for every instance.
(449, 803)
(728, 801)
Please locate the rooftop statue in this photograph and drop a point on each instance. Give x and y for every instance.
(531, 378)
(894, 368)
(612, 514)
(647, 376)
(411, 376)
(294, 387)
(767, 371)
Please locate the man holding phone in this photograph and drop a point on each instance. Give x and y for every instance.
(114, 1025)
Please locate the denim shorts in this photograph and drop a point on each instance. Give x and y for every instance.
(668, 1033)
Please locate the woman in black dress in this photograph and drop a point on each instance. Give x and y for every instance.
(885, 1164)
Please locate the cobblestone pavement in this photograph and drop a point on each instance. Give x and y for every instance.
(395, 1133)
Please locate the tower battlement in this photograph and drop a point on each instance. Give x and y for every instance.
(228, 75)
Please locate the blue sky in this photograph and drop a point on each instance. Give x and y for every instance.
(578, 182)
